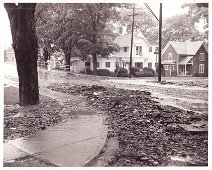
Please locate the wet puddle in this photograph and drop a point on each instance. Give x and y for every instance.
(180, 158)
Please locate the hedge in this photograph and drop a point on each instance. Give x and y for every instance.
(103, 72)
(143, 73)
(88, 71)
(121, 72)
(148, 69)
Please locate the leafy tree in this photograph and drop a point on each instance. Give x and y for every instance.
(25, 45)
(144, 22)
(199, 12)
(179, 28)
(80, 30)
(43, 15)
(97, 35)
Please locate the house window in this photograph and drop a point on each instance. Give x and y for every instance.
(202, 57)
(87, 64)
(201, 68)
(166, 67)
(150, 65)
(125, 49)
(139, 50)
(97, 64)
(150, 49)
(107, 64)
(170, 56)
(139, 64)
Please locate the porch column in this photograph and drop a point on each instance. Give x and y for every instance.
(185, 69)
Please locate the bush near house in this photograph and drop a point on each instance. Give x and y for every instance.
(103, 72)
(88, 71)
(143, 73)
(148, 69)
(134, 70)
(121, 72)
(112, 74)
(174, 73)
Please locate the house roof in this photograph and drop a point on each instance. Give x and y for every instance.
(185, 48)
(125, 40)
(185, 60)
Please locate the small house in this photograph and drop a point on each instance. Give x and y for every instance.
(185, 58)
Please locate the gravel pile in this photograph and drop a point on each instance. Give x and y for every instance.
(22, 121)
(148, 133)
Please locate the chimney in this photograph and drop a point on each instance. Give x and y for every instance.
(192, 38)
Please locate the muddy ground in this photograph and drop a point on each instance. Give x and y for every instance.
(143, 131)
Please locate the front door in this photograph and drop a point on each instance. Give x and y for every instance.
(188, 69)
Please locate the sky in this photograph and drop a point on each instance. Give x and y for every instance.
(170, 8)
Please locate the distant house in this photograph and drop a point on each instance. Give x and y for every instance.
(76, 64)
(142, 53)
(185, 58)
(9, 55)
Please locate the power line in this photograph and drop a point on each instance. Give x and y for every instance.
(150, 10)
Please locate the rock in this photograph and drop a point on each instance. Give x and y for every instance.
(144, 158)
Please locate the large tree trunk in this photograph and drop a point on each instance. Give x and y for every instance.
(94, 55)
(45, 54)
(25, 46)
(94, 63)
(67, 59)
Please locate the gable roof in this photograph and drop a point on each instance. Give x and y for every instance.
(185, 60)
(125, 40)
(185, 48)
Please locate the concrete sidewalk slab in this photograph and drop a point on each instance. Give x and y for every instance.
(72, 143)
(76, 154)
(11, 95)
(11, 153)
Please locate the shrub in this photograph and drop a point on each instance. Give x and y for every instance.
(88, 71)
(103, 72)
(121, 72)
(135, 69)
(196, 75)
(138, 74)
(143, 73)
(149, 69)
(112, 74)
(174, 73)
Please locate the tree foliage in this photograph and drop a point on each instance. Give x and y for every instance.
(80, 29)
(197, 11)
(144, 22)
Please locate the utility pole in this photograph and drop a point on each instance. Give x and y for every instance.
(131, 47)
(160, 39)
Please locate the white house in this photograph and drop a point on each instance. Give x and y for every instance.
(9, 55)
(142, 55)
